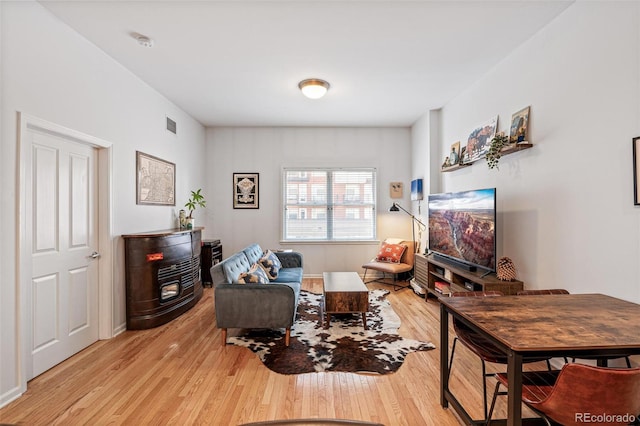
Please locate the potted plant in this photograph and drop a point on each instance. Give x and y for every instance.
(499, 141)
(196, 200)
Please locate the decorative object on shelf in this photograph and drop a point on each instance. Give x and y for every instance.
(395, 189)
(478, 141)
(454, 155)
(155, 180)
(416, 190)
(196, 200)
(506, 269)
(519, 130)
(493, 154)
(182, 219)
(246, 191)
(636, 171)
(463, 152)
(447, 163)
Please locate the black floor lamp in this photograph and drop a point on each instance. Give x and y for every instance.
(396, 208)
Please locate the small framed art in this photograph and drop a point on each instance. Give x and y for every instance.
(155, 180)
(246, 190)
(395, 189)
(416, 190)
(479, 140)
(454, 155)
(519, 130)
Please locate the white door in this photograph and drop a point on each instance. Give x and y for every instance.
(62, 229)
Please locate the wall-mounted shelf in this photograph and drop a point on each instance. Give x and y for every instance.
(455, 167)
(509, 149)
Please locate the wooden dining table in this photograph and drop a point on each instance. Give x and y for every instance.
(569, 325)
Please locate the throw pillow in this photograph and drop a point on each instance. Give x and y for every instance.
(255, 275)
(391, 253)
(271, 264)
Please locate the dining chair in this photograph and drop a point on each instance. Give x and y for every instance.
(568, 396)
(563, 291)
(484, 348)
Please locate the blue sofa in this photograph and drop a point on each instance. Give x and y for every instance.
(271, 305)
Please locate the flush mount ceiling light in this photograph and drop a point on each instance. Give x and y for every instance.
(143, 40)
(313, 88)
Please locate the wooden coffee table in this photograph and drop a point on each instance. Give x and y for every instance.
(344, 292)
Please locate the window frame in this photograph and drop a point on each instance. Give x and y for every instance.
(370, 205)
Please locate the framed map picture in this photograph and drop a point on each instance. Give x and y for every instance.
(246, 191)
(155, 180)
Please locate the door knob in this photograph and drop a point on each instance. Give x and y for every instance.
(94, 255)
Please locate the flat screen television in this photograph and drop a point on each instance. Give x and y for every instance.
(462, 227)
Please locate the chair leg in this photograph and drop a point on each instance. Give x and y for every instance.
(484, 387)
(224, 336)
(493, 402)
(287, 336)
(453, 350)
(484, 375)
(382, 280)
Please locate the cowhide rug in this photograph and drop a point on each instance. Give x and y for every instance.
(344, 346)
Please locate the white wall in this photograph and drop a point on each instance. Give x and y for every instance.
(566, 213)
(425, 164)
(51, 72)
(268, 150)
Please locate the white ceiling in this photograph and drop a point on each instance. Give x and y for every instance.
(238, 63)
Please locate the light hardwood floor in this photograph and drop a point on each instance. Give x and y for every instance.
(180, 373)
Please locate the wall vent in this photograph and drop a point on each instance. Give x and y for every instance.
(171, 126)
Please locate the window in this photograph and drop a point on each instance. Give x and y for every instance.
(339, 205)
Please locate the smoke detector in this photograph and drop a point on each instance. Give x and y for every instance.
(143, 40)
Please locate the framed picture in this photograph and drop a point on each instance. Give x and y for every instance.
(636, 171)
(519, 130)
(416, 190)
(454, 154)
(479, 139)
(395, 189)
(155, 180)
(246, 190)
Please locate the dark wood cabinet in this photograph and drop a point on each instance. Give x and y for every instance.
(211, 255)
(429, 270)
(162, 275)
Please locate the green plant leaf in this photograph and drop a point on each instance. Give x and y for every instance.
(196, 200)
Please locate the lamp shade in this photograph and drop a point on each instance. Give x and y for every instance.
(313, 88)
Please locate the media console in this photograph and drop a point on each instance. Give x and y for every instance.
(453, 263)
(429, 270)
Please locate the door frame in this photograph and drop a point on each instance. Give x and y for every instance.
(105, 247)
